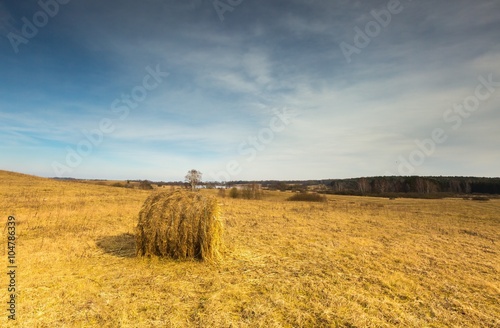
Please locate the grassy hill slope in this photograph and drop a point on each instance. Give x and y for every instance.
(349, 262)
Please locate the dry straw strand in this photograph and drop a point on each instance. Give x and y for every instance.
(180, 225)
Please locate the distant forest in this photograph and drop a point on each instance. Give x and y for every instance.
(387, 185)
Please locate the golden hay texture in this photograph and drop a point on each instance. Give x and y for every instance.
(180, 225)
(349, 262)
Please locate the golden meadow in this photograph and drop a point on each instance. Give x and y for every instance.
(347, 262)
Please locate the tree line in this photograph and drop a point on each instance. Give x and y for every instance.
(419, 185)
(391, 184)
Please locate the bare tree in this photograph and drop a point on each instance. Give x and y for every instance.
(363, 185)
(338, 186)
(420, 185)
(193, 178)
(381, 185)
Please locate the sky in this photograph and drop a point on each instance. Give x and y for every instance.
(249, 89)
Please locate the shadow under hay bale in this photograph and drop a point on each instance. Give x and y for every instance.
(179, 224)
(121, 245)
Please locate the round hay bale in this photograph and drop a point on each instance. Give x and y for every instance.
(179, 224)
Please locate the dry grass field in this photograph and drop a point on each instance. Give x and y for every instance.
(349, 262)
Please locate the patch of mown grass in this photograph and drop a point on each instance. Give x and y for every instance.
(307, 197)
(480, 198)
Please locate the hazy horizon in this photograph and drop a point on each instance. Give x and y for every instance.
(203, 180)
(250, 90)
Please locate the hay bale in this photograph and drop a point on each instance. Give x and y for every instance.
(179, 224)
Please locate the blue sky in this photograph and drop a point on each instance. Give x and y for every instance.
(299, 89)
